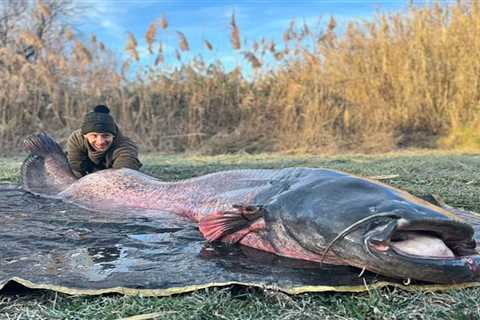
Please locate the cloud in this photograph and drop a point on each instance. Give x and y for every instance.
(113, 28)
(97, 10)
(103, 17)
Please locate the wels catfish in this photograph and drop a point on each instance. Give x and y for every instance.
(312, 214)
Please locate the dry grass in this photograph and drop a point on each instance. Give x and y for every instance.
(408, 79)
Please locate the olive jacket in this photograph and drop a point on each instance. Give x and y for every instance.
(83, 159)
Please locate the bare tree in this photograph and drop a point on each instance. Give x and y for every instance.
(11, 12)
(44, 20)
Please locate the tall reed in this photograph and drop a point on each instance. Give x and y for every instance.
(405, 79)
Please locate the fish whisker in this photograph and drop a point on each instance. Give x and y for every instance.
(353, 227)
(362, 272)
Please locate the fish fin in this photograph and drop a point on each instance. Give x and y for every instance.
(46, 170)
(223, 223)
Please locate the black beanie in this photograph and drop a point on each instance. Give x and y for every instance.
(99, 120)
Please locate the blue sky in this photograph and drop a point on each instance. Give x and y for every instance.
(111, 20)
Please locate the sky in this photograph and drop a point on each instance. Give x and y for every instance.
(112, 20)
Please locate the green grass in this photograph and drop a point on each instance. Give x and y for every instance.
(10, 169)
(455, 177)
(228, 303)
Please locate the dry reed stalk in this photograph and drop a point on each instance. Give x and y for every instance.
(208, 44)
(235, 33)
(279, 56)
(160, 56)
(311, 59)
(43, 9)
(125, 68)
(164, 23)
(132, 47)
(183, 42)
(286, 38)
(31, 39)
(69, 34)
(82, 53)
(332, 24)
(272, 48)
(306, 30)
(151, 36)
(254, 62)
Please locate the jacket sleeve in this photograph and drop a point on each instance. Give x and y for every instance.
(125, 155)
(76, 154)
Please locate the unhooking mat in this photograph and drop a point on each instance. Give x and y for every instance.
(46, 243)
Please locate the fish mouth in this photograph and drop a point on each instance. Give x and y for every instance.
(438, 251)
(422, 239)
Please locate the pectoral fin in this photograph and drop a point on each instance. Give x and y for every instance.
(224, 223)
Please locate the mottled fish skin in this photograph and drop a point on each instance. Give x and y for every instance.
(301, 213)
(110, 190)
(195, 198)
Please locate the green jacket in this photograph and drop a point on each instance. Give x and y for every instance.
(123, 153)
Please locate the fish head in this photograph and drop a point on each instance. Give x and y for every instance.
(419, 243)
(353, 221)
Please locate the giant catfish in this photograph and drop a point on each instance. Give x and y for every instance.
(313, 214)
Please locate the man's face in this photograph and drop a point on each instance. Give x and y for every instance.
(99, 141)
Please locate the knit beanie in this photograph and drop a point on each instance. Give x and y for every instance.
(99, 120)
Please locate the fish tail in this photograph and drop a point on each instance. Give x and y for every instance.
(220, 224)
(46, 170)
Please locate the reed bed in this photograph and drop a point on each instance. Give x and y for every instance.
(409, 79)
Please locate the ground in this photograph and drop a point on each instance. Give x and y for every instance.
(453, 176)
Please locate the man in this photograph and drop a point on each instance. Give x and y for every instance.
(99, 145)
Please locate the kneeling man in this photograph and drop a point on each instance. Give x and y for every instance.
(99, 144)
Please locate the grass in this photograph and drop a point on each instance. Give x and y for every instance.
(455, 177)
(244, 304)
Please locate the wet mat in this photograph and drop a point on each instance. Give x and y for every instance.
(46, 243)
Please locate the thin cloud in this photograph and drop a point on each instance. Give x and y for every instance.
(114, 29)
(104, 17)
(101, 9)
